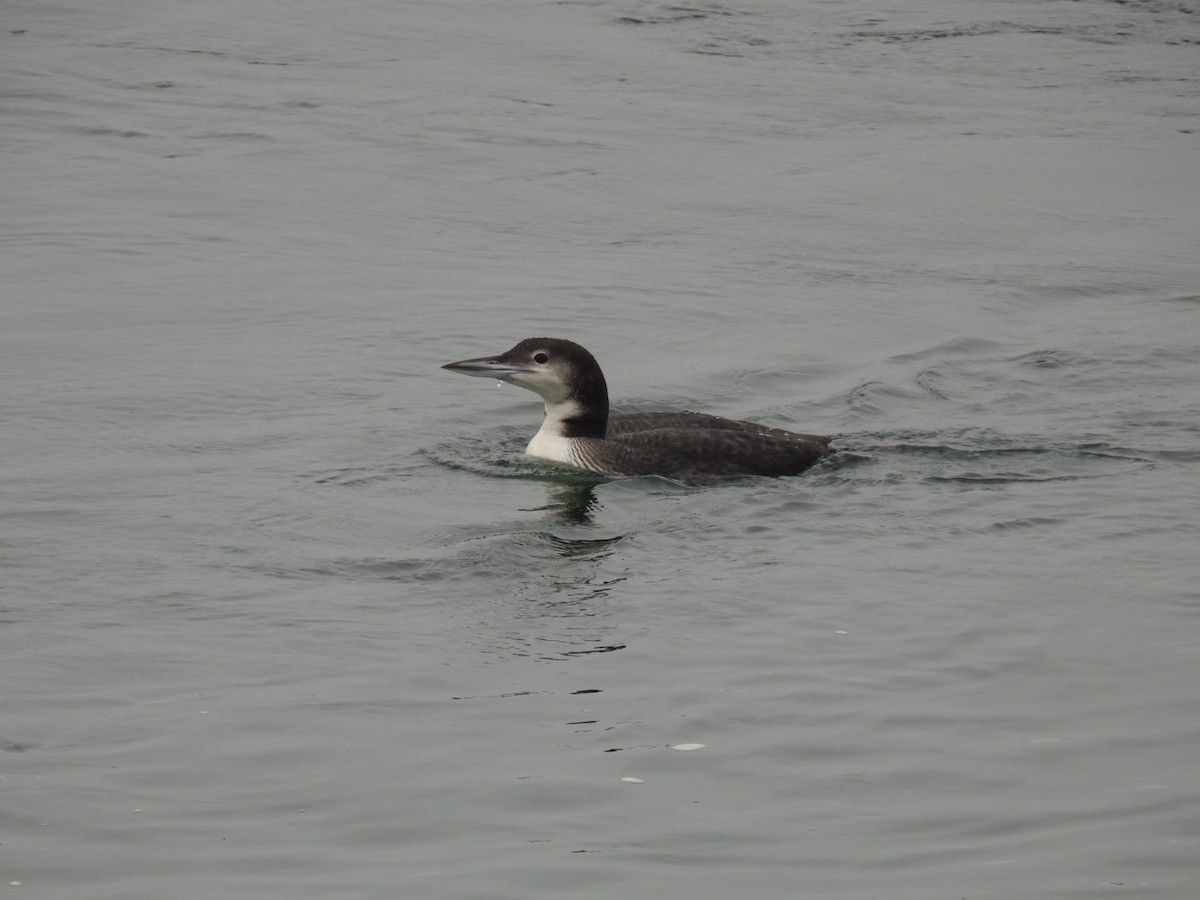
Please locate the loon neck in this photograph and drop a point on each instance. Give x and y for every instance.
(567, 425)
(572, 419)
(583, 412)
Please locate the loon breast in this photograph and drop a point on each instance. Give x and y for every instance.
(556, 448)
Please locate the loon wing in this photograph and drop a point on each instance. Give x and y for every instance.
(623, 426)
(695, 451)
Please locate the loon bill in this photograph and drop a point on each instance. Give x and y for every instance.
(579, 432)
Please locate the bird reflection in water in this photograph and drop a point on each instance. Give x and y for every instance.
(571, 504)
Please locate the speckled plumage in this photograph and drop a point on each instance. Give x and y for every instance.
(688, 445)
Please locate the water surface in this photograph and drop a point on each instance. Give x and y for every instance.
(286, 613)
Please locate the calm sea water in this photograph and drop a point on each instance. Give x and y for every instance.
(284, 613)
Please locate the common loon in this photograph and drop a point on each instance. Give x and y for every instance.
(579, 432)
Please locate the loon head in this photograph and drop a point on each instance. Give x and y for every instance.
(565, 375)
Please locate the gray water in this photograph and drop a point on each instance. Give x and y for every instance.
(285, 613)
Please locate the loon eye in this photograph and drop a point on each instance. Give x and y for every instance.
(540, 357)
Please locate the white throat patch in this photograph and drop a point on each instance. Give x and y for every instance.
(550, 443)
